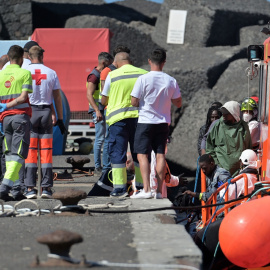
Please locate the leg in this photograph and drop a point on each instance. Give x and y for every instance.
(99, 139)
(106, 157)
(160, 169)
(145, 171)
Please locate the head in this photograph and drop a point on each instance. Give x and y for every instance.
(122, 59)
(15, 55)
(28, 46)
(248, 158)
(120, 48)
(213, 114)
(207, 164)
(3, 60)
(249, 109)
(157, 58)
(130, 164)
(104, 60)
(216, 104)
(36, 53)
(230, 112)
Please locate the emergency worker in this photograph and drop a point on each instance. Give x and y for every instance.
(46, 88)
(122, 119)
(249, 109)
(97, 111)
(15, 113)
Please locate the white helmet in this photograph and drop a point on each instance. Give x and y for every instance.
(248, 157)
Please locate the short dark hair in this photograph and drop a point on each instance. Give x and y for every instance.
(206, 158)
(104, 56)
(121, 48)
(158, 56)
(15, 52)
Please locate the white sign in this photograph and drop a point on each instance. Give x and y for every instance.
(176, 26)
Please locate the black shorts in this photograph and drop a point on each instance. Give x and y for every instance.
(151, 136)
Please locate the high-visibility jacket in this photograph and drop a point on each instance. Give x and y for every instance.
(122, 83)
(97, 94)
(14, 80)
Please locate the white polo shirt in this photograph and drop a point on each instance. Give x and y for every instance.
(155, 90)
(45, 81)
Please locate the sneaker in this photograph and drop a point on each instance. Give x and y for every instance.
(98, 172)
(46, 194)
(158, 196)
(142, 195)
(5, 197)
(119, 193)
(32, 194)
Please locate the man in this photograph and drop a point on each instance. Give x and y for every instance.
(3, 61)
(15, 117)
(153, 93)
(215, 177)
(122, 119)
(46, 88)
(228, 138)
(97, 111)
(26, 48)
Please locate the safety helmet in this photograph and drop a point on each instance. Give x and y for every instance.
(248, 157)
(249, 104)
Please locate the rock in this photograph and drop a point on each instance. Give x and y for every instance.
(252, 35)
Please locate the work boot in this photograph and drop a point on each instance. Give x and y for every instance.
(98, 172)
(19, 197)
(5, 197)
(119, 193)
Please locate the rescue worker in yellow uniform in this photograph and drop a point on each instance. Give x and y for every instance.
(15, 113)
(122, 119)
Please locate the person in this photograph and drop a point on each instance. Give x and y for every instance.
(122, 120)
(215, 177)
(249, 165)
(228, 137)
(97, 111)
(15, 113)
(3, 61)
(212, 115)
(26, 61)
(249, 109)
(153, 93)
(46, 88)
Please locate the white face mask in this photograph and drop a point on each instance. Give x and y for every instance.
(247, 117)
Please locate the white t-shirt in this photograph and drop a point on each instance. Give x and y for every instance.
(155, 90)
(25, 64)
(45, 80)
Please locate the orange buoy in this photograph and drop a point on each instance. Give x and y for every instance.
(244, 234)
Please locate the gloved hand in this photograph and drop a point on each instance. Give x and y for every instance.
(1, 128)
(61, 125)
(3, 107)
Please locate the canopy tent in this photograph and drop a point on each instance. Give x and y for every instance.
(73, 53)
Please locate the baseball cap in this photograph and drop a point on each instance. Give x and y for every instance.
(29, 45)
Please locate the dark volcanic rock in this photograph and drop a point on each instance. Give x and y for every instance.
(138, 41)
(252, 35)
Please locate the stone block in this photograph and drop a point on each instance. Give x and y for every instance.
(22, 8)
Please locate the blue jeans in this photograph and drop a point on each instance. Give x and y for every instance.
(102, 136)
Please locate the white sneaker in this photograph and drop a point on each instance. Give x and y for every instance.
(158, 196)
(142, 195)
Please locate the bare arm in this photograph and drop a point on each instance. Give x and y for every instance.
(53, 114)
(19, 100)
(104, 100)
(135, 102)
(177, 102)
(102, 84)
(91, 88)
(58, 103)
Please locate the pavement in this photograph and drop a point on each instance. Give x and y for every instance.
(146, 240)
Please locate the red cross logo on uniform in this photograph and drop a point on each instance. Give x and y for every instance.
(38, 76)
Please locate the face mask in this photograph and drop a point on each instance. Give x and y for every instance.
(247, 117)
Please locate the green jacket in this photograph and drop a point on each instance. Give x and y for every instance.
(226, 142)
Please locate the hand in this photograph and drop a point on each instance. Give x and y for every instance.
(3, 107)
(54, 119)
(1, 128)
(61, 125)
(99, 116)
(182, 180)
(191, 193)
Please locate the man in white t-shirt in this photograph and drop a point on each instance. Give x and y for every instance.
(153, 93)
(46, 88)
